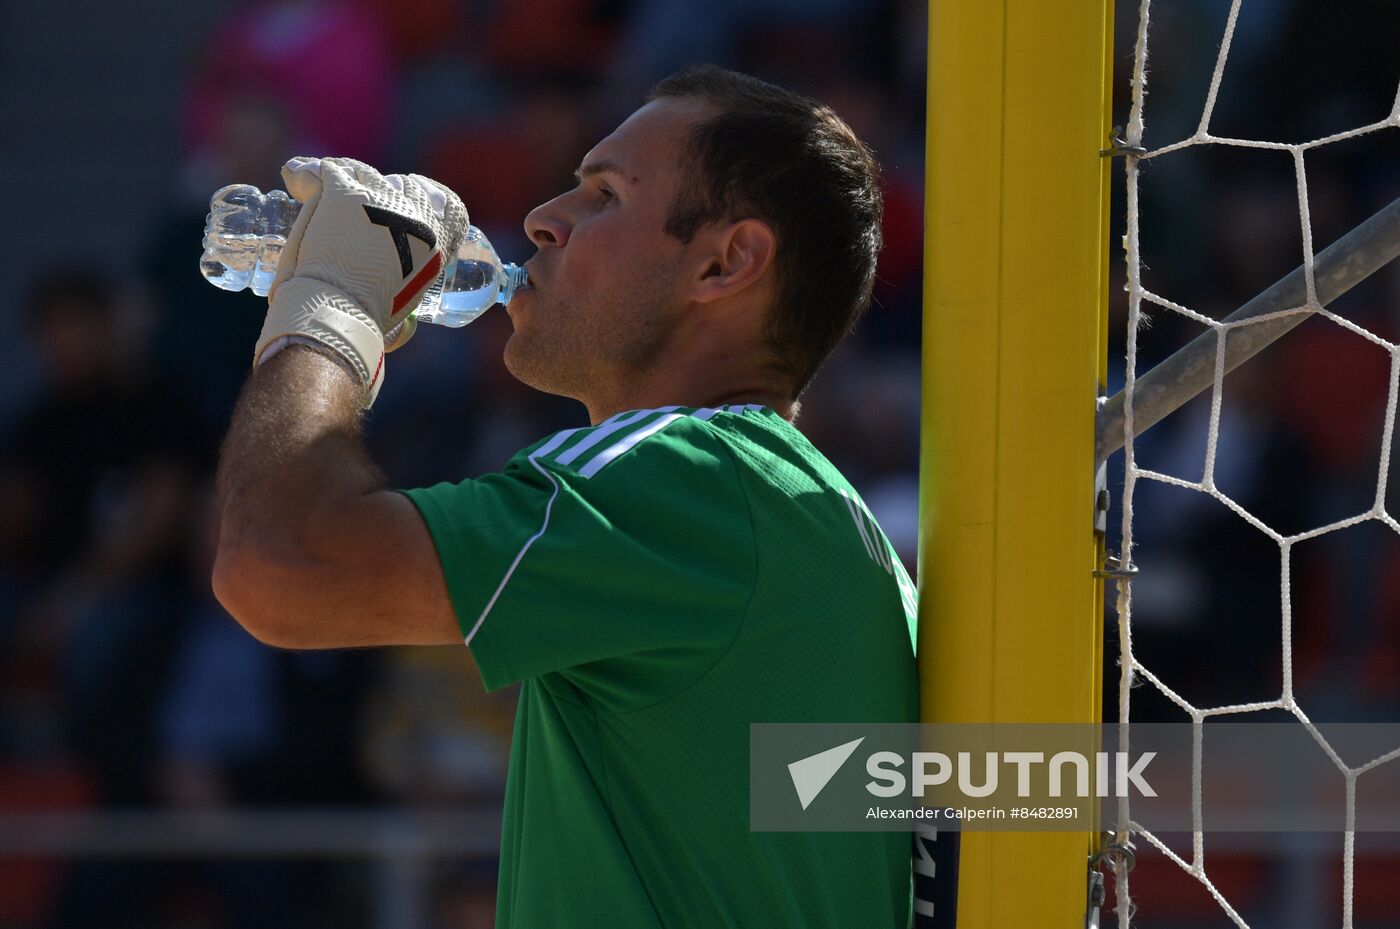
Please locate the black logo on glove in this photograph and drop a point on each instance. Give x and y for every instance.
(400, 228)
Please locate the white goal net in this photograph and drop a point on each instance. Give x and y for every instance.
(1200, 475)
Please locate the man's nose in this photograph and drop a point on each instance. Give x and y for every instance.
(545, 226)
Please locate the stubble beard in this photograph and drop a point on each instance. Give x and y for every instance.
(542, 359)
(586, 357)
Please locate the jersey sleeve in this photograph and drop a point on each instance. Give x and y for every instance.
(623, 560)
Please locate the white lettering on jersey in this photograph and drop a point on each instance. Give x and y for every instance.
(878, 547)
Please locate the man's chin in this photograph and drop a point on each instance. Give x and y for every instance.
(531, 367)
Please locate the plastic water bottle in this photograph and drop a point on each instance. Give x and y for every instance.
(246, 230)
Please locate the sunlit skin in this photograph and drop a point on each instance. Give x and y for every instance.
(314, 552)
(624, 316)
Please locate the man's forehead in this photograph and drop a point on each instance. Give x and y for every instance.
(649, 138)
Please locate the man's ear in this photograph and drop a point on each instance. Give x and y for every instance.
(740, 255)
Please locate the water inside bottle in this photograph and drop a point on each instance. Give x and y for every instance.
(276, 214)
(231, 233)
(269, 251)
(473, 283)
(474, 287)
(234, 267)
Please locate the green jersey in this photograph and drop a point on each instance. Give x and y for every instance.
(659, 582)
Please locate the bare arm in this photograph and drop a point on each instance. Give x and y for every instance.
(312, 551)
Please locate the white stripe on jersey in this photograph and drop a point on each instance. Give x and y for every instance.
(606, 429)
(559, 439)
(603, 430)
(601, 460)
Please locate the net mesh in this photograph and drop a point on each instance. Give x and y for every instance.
(1133, 671)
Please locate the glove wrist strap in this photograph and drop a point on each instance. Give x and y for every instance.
(314, 310)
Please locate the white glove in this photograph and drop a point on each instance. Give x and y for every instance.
(363, 250)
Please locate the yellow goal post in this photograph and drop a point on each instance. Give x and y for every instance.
(1014, 357)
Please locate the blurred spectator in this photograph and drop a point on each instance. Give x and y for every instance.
(506, 165)
(203, 339)
(241, 724)
(416, 29)
(328, 61)
(103, 466)
(466, 900)
(555, 38)
(665, 35)
(434, 736)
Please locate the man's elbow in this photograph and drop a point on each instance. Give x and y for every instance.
(245, 586)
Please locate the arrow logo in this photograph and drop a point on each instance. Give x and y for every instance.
(810, 775)
(400, 228)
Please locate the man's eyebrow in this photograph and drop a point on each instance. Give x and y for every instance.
(600, 167)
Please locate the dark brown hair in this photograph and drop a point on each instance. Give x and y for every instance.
(790, 161)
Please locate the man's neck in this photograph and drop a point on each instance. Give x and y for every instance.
(782, 404)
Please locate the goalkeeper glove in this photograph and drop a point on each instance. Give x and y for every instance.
(357, 261)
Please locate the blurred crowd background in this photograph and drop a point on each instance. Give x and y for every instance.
(125, 687)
